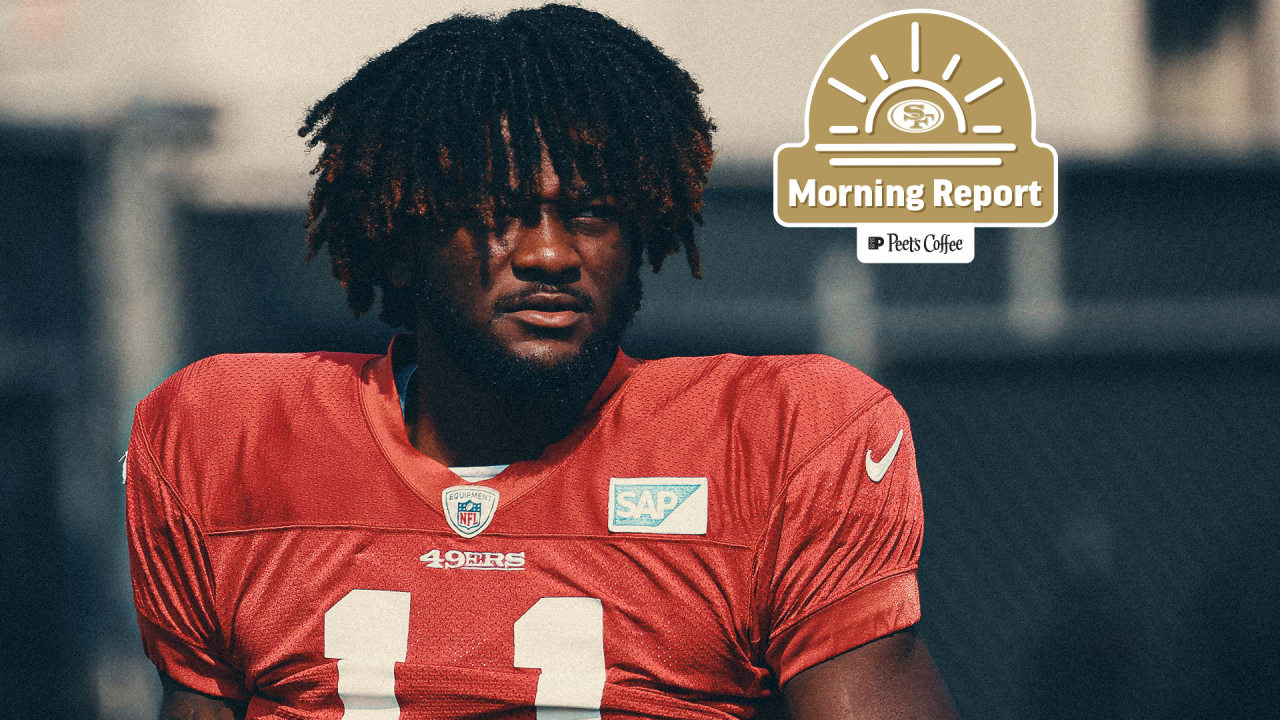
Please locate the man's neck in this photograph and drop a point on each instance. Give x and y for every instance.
(458, 420)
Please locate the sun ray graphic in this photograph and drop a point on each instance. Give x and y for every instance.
(990, 85)
(951, 67)
(884, 74)
(846, 90)
(915, 47)
(944, 151)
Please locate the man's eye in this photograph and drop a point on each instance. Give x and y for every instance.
(597, 211)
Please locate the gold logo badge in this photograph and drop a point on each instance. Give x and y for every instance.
(917, 119)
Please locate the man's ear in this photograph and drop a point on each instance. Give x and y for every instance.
(399, 273)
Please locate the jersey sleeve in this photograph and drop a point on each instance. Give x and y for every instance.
(172, 580)
(837, 564)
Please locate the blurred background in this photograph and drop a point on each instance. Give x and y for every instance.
(1094, 403)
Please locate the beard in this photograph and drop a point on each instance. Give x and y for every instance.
(565, 384)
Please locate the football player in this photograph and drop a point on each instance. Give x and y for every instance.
(504, 516)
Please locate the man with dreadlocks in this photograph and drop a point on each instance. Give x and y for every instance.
(504, 515)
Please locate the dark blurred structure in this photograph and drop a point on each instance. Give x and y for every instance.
(1179, 26)
(48, 542)
(1214, 76)
(1093, 406)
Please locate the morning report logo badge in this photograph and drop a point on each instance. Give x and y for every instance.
(920, 126)
(469, 509)
(666, 505)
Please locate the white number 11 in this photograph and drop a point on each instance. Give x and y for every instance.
(367, 632)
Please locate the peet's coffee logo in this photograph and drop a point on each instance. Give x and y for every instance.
(940, 243)
(919, 116)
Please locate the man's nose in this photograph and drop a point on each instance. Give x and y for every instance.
(546, 251)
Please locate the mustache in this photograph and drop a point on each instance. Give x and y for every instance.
(513, 301)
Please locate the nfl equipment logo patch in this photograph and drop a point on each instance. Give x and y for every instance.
(469, 508)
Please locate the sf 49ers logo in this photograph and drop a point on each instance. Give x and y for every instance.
(915, 116)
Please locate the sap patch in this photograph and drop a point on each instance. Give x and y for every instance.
(664, 505)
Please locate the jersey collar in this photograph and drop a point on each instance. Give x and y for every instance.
(426, 477)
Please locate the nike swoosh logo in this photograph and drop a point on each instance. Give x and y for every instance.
(876, 470)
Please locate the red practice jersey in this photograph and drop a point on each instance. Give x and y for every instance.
(713, 527)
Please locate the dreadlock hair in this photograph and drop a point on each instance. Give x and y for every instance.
(449, 126)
